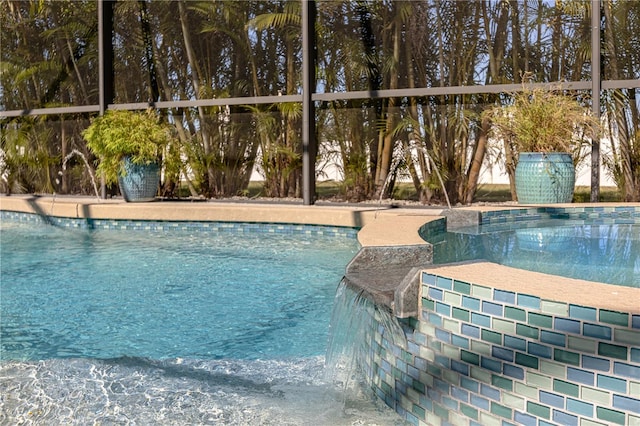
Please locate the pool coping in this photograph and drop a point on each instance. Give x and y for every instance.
(380, 226)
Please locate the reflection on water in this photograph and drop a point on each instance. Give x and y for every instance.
(554, 240)
(604, 253)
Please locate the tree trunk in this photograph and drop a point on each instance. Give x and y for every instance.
(476, 163)
(195, 79)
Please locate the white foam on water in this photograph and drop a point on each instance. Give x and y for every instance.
(140, 391)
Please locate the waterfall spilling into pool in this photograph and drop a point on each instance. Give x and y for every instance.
(173, 323)
(355, 322)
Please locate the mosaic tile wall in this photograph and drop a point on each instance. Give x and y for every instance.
(483, 356)
(595, 214)
(168, 226)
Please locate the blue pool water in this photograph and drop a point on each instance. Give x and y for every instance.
(165, 327)
(606, 253)
(106, 294)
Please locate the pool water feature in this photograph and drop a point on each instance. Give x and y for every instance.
(500, 345)
(219, 325)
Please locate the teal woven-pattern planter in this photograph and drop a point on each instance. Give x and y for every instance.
(543, 178)
(139, 182)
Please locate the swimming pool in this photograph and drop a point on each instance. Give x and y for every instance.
(209, 323)
(589, 250)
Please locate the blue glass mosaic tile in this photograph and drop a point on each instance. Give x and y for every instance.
(459, 341)
(551, 399)
(426, 403)
(460, 394)
(502, 353)
(435, 293)
(401, 365)
(565, 418)
(435, 319)
(539, 350)
(491, 364)
(492, 308)
(481, 320)
(413, 372)
(611, 383)
(625, 403)
(420, 363)
(579, 407)
(471, 303)
(442, 335)
(582, 312)
(489, 392)
(444, 283)
(627, 370)
(428, 279)
(635, 354)
(442, 386)
(479, 402)
(570, 326)
(597, 331)
(442, 360)
(460, 367)
(449, 403)
(513, 371)
(470, 330)
(525, 419)
(515, 343)
(593, 363)
(553, 338)
(469, 384)
(443, 309)
(635, 321)
(528, 301)
(580, 376)
(504, 296)
(410, 417)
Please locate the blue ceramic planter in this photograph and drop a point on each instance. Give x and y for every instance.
(544, 178)
(140, 181)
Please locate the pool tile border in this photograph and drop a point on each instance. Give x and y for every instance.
(180, 226)
(596, 214)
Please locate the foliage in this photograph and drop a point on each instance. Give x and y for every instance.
(201, 50)
(120, 133)
(542, 120)
(25, 162)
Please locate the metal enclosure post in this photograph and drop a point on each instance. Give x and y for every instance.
(105, 53)
(595, 97)
(105, 63)
(309, 140)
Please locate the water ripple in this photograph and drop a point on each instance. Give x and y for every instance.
(141, 391)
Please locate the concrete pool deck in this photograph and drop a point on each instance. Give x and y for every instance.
(380, 226)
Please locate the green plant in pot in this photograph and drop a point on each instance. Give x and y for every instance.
(129, 145)
(545, 129)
